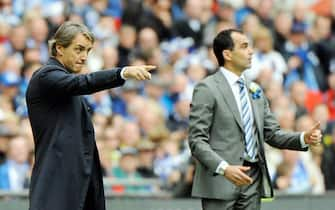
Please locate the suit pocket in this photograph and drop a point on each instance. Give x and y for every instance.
(225, 188)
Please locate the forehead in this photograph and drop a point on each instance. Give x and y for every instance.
(239, 38)
(81, 39)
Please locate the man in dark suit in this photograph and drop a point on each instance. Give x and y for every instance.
(66, 173)
(230, 120)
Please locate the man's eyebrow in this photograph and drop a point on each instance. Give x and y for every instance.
(81, 46)
(246, 43)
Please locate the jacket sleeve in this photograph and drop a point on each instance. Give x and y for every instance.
(201, 118)
(276, 137)
(58, 81)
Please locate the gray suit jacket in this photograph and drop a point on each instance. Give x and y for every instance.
(216, 134)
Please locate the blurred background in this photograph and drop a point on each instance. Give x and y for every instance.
(141, 127)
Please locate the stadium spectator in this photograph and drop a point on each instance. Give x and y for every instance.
(146, 157)
(191, 26)
(127, 168)
(15, 171)
(297, 179)
(265, 58)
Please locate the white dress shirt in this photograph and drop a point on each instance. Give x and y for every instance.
(235, 87)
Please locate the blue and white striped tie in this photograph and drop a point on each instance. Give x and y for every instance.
(247, 121)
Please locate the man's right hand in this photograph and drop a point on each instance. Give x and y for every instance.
(138, 72)
(236, 174)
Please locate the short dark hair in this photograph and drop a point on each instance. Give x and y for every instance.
(66, 33)
(223, 41)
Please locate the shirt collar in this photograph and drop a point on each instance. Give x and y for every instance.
(230, 76)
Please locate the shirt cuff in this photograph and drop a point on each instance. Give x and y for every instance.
(121, 74)
(302, 140)
(222, 167)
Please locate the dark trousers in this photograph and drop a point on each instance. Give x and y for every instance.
(248, 198)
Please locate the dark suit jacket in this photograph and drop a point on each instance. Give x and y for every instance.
(216, 134)
(65, 150)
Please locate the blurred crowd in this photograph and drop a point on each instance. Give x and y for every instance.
(141, 128)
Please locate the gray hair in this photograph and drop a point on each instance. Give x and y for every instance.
(66, 33)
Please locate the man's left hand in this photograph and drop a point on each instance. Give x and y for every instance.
(313, 136)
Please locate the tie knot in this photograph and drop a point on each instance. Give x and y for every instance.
(240, 81)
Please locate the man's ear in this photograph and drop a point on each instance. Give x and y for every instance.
(227, 55)
(59, 50)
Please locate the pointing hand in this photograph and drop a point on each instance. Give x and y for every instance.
(138, 72)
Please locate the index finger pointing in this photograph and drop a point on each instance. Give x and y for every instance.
(149, 67)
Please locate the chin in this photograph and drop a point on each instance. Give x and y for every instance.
(76, 71)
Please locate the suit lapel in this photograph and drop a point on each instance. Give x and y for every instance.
(255, 108)
(228, 96)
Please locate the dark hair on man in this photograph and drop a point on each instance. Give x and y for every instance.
(223, 41)
(66, 33)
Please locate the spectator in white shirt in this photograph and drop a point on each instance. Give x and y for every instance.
(265, 58)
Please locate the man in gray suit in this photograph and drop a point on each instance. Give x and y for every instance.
(230, 120)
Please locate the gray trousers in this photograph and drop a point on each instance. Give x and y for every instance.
(248, 198)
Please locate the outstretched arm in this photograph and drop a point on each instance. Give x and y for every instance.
(58, 81)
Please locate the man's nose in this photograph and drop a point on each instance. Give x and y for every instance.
(251, 50)
(84, 56)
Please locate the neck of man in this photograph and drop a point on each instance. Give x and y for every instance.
(59, 59)
(233, 69)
